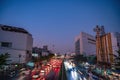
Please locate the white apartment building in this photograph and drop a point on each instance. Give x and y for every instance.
(17, 42)
(115, 40)
(85, 44)
(113, 46)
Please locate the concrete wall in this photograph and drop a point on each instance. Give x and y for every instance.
(86, 46)
(115, 40)
(21, 43)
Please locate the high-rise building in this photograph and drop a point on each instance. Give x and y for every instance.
(106, 45)
(109, 45)
(85, 44)
(17, 42)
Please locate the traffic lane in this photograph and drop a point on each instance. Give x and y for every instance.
(53, 74)
(56, 70)
(71, 71)
(50, 75)
(77, 73)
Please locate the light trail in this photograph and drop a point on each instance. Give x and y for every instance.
(72, 71)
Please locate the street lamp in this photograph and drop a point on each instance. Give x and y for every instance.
(19, 57)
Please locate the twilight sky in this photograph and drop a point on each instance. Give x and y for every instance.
(58, 22)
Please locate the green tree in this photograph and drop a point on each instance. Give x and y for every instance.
(92, 59)
(3, 59)
(80, 58)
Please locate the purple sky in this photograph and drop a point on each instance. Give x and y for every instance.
(58, 22)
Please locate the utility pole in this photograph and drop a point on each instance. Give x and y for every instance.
(19, 57)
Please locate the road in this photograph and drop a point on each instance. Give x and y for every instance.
(72, 72)
(49, 71)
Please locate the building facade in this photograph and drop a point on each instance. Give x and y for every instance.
(39, 52)
(107, 45)
(85, 44)
(36, 52)
(17, 42)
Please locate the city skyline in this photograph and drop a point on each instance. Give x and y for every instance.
(58, 22)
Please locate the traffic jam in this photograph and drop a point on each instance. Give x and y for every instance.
(46, 70)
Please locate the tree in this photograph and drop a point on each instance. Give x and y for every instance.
(92, 59)
(80, 58)
(3, 59)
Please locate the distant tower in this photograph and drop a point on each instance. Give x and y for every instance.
(98, 43)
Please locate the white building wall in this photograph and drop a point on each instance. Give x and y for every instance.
(77, 45)
(86, 48)
(29, 42)
(21, 42)
(14, 55)
(115, 37)
(82, 39)
(18, 40)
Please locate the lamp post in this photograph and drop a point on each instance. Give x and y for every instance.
(19, 57)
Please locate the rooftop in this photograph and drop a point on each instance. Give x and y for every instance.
(13, 29)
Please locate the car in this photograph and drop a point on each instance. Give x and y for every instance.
(35, 76)
(12, 74)
(42, 72)
(95, 77)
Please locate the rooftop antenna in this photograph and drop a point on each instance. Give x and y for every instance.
(102, 30)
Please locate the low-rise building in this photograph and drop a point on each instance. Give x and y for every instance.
(38, 52)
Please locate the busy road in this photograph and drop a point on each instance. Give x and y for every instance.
(47, 71)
